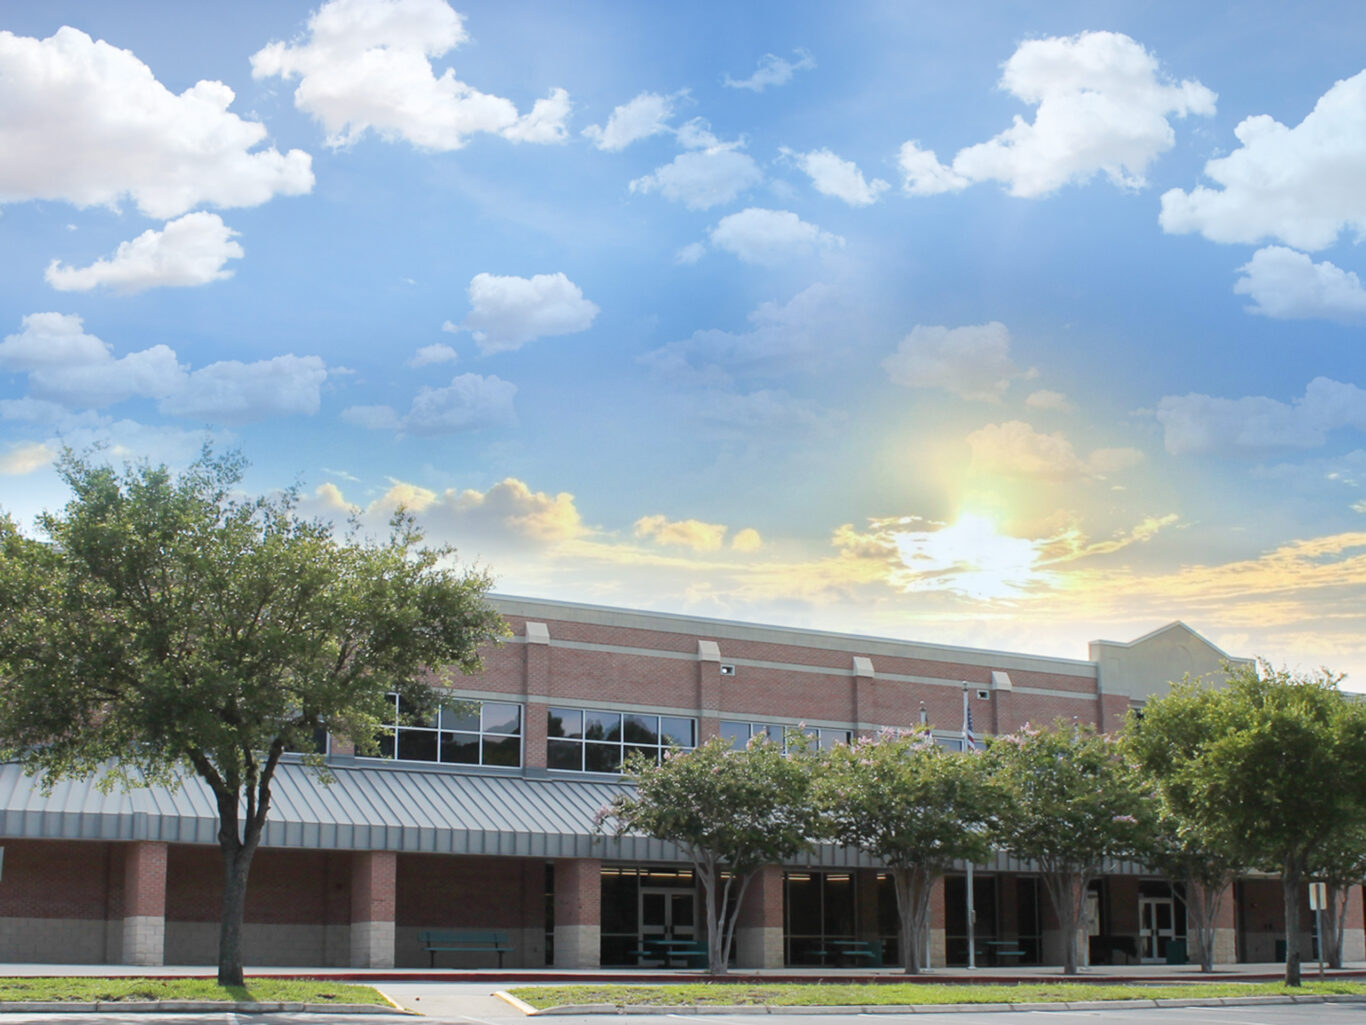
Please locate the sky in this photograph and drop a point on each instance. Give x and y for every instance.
(1006, 325)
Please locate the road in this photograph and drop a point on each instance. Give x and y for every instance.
(442, 1003)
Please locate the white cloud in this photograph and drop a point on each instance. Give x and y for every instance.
(1301, 185)
(545, 123)
(924, 175)
(708, 175)
(805, 333)
(366, 65)
(432, 354)
(646, 115)
(1016, 449)
(833, 176)
(1288, 285)
(763, 236)
(509, 510)
(70, 369)
(694, 534)
(73, 369)
(188, 251)
(470, 402)
(507, 312)
(1045, 399)
(25, 457)
(690, 253)
(1255, 424)
(772, 70)
(1102, 106)
(89, 124)
(747, 539)
(971, 362)
(230, 392)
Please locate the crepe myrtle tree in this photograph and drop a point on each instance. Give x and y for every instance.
(900, 797)
(730, 811)
(1067, 801)
(1184, 844)
(1274, 760)
(1341, 863)
(166, 626)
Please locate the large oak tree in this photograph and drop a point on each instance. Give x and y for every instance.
(163, 624)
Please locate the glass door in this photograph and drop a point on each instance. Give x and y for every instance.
(1156, 927)
(666, 915)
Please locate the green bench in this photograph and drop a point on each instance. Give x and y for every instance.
(466, 940)
(691, 953)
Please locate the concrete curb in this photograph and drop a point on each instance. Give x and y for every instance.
(1072, 1005)
(189, 1007)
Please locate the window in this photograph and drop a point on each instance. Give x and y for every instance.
(739, 734)
(590, 740)
(459, 733)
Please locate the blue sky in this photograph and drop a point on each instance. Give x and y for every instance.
(1008, 325)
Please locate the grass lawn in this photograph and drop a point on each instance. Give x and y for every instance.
(836, 995)
(85, 990)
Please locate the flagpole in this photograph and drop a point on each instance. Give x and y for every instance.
(969, 744)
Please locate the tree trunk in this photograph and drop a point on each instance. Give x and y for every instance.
(709, 874)
(1291, 875)
(1204, 902)
(1333, 921)
(1067, 892)
(913, 908)
(236, 865)
(733, 911)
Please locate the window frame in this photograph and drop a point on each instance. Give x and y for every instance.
(612, 743)
(437, 732)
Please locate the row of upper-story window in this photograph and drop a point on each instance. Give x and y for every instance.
(492, 733)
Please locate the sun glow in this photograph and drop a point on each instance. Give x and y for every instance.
(971, 557)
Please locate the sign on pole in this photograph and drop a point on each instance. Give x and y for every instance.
(1318, 902)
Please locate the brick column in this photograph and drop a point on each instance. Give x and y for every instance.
(1225, 930)
(144, 904)
(1353, 934)
(578, 913)
(535, 691)
(759, 929)
(374, 882)
(865, 708)
(939, 956)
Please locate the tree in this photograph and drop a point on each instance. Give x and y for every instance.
(1341, 863)
(166, 625)
(902, 798)
(730, 812)
(1274, 761)
(1067, 802)
(1185, 845)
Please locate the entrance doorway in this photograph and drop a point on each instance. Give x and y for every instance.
(667, 914)
(1156, 928)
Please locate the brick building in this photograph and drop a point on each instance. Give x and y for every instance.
(483, 819)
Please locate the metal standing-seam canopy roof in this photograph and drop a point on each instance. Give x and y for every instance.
(365, 808)
(374, 808)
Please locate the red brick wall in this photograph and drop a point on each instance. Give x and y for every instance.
(439, 891)
(62, 879)
(284, 887)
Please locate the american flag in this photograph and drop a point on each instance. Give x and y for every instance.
(969, 736)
